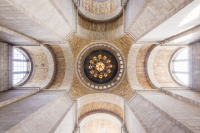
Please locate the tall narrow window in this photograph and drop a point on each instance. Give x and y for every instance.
(20, 67)
(180, 66)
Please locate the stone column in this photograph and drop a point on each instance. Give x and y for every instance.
(5, 66)
(194, 69)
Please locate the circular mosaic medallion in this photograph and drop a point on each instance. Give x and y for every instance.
(100, 66)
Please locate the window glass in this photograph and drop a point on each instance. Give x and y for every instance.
(20, 66)
(181, 66)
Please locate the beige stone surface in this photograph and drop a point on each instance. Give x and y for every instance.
(97, 7)
(152, 117)
(40, 66)
(153, 14)
(194, 80)
(185, 114)
(100, 26)
(100, 106)
(17, 97)
(140, 67)
(160, 66)
(68, 123)
(132, 124)
(16, 15)
(131, 66)
(103, 97)
(9, 94)
(60, 66)
(66, 32)
(184, 94)
(16, 112)
(5, 66)
(98, 116)
(100, 125)
(34, 9)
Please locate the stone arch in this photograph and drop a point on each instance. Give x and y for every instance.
(95, 103)
(64, 66)
(161, 67)
(112, 124)
(40, 68)
(136, 67)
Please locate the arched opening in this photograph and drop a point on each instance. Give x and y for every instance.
(179, 66)
(100, 123)
(21, 66)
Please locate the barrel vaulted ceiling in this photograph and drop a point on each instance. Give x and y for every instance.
(58, 38)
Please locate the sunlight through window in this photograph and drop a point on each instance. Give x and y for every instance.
(181, 66)
(19, 66)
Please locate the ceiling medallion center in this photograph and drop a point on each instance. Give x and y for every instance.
(100, 67)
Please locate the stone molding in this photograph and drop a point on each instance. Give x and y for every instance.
(100, 18)
(182, 34)
(51, 66)
(165, 115)
(148, 12)
(99, 112)
(183, 98)
(47, 115)
(8, 31)
(149, 66)
(4, 103)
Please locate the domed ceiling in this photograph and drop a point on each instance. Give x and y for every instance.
(100, 66)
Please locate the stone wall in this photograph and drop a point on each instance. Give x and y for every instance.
(179, 112)
(100, 125)
(40, 69)
(194, 61)
(131, 122)
(100, 30)
(44, 118)
(140, 67)
(60, 66)
(69, 69)
(68, 123)
(68, 10)
(100, 26)
(131, 10)
(153, 118)
(29, 18)
(100, 106)
(95, 103)
(153, 13)
(131, 66)
(161, 67)
(97, 7)
(5, 66)
(25, 109)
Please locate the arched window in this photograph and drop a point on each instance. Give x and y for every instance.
(180, 69)
(20, 66)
